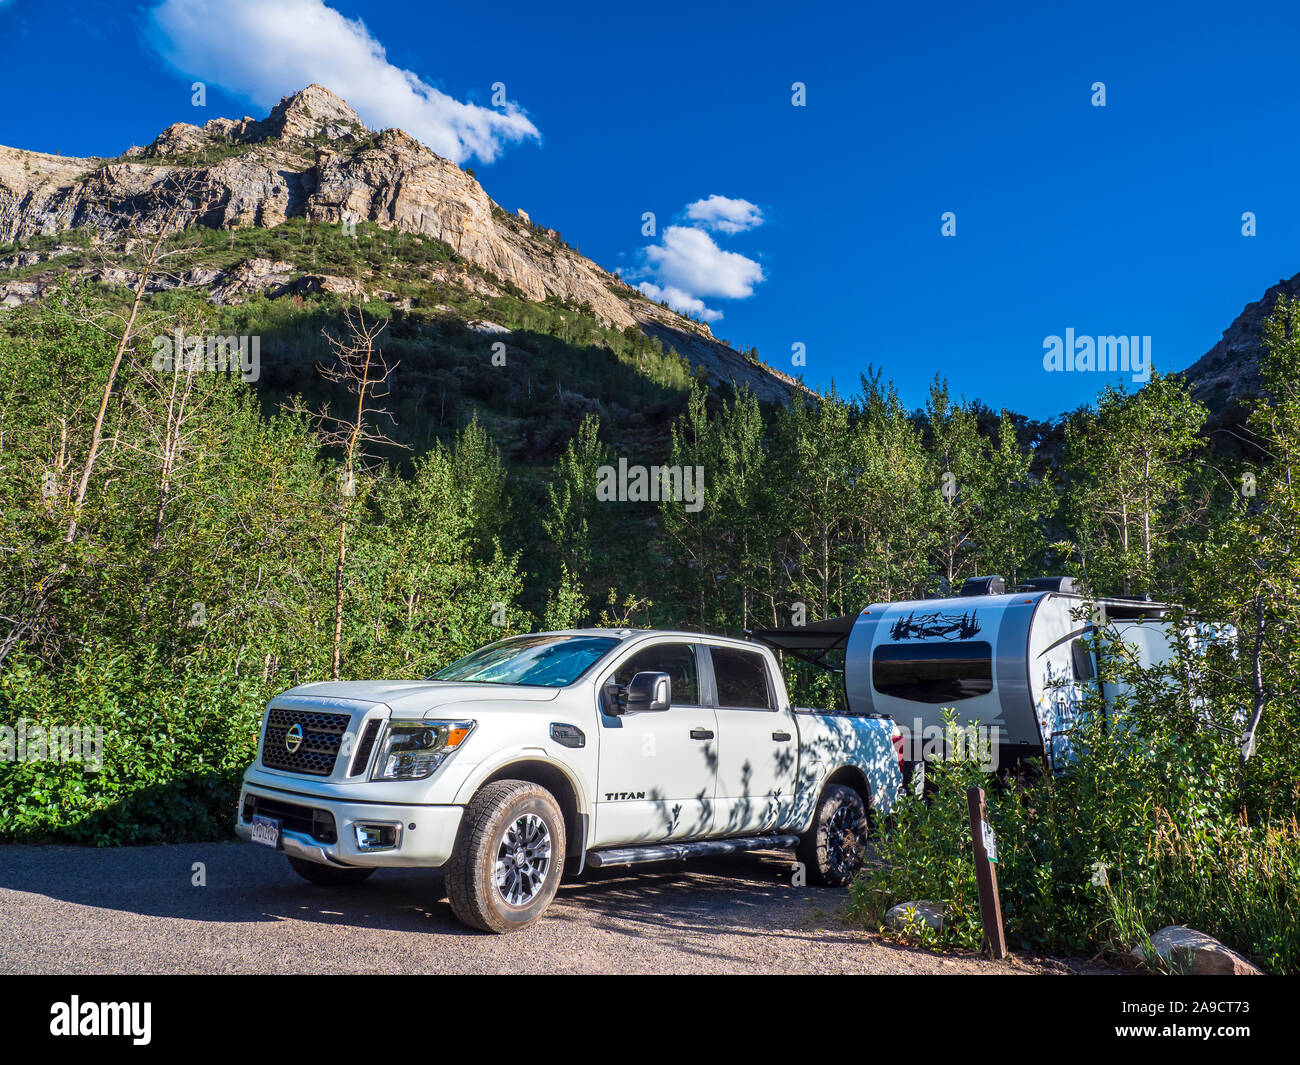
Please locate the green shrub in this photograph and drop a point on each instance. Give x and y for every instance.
(925, 853)
(173, 750)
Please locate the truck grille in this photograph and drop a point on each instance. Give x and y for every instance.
(322, 735)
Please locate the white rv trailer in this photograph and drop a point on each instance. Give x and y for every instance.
(1018, 664)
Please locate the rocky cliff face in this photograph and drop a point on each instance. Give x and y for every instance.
(1229, 372)
(313, 157)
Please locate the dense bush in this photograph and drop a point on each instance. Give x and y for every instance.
(172, 747)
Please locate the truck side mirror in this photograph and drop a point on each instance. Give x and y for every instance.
(648, 691)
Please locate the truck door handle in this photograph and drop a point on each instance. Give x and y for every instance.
(780, 737)
(701, 734)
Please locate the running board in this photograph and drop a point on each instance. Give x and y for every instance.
(676, 852)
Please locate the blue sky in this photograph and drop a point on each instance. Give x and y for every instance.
(1123, 219)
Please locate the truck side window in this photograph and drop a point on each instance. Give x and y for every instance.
(741, 677)
(675, 659)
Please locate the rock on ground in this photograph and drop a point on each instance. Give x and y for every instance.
(905, 914)
(1185, 950)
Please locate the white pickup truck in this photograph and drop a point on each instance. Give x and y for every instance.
(591, 747)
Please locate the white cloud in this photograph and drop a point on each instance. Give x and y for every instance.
(725, 215)
(687, 266)
(681, 302)
(266, 49)
(689, 259)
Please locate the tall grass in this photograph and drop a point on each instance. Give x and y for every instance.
(1239, 883)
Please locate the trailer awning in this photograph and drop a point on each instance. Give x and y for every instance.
(811, 642)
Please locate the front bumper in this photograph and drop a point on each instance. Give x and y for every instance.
(319, 829)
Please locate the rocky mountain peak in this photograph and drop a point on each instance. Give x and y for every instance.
(312, 112)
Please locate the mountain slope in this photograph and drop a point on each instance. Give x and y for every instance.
(1228, 374)
(312, 158)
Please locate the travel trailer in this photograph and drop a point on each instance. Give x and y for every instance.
(1017, 665)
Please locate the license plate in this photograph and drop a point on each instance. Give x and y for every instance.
(266, 830)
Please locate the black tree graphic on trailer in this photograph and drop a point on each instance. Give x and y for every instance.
(944, 626)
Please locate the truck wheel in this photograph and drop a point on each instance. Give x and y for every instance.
(508, 858)
(329, 875)
(832, 850)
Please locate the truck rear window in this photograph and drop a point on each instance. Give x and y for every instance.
(933, 672)
(741, 677)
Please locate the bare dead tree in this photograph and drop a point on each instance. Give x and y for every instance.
(360, 367)
(168, 406)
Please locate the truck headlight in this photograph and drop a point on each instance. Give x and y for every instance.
(413, 750)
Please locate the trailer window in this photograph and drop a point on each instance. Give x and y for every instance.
(933, 672)
(1081, 657)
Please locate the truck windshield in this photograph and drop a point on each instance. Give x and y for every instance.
(540, 661)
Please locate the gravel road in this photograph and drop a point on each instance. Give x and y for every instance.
(135, 909)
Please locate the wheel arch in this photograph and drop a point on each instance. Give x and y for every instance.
(557, 781)
(853, 778)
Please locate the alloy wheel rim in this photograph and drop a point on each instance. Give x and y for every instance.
(523, 860)
(844, 841)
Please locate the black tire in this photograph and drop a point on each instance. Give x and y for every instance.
(834, 847)
(328, 875)
(501, 823)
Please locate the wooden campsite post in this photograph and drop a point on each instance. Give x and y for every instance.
(986, 875)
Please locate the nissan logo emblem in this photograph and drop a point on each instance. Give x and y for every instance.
(293, 739)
